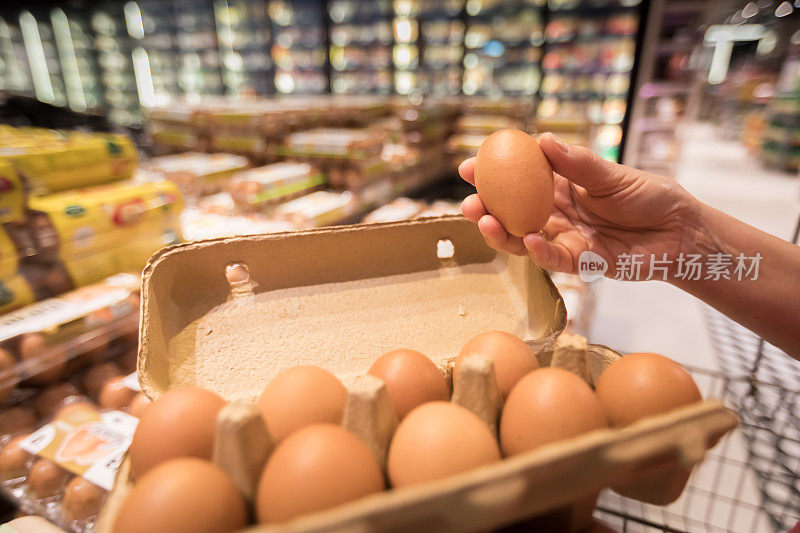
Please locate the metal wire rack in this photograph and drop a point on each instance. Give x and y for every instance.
(750, 483)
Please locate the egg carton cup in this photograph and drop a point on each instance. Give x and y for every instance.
(448, 286)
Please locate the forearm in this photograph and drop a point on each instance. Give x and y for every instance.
(768, 304)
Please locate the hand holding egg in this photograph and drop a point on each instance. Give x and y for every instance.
(596, 205)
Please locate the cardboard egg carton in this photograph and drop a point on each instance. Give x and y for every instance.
(229, 314)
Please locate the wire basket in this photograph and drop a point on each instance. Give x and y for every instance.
(749, 483)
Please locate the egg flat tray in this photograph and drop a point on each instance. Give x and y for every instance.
(340, 297)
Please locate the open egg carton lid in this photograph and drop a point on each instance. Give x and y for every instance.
(332, 297)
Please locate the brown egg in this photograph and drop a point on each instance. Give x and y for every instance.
(17, 420)
(115, 394)
(637, 386)
(139, 405)
(13, 459)
(45, 364)
(127, 361)
(515, 181)
(186, 495)
(644, 384)
(82, 499)
(49, 400)
(300, 396)
(46, 478)
(179, 423)
(512, 358)
(411, 379)
(100, 343)
(438, 440)
(315, 468)
(96, 376)
(548, 405)
(57, 281)
(8, 374)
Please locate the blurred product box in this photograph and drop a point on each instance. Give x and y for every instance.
(320, 208)
(197, 174)
(99, 231)
(270, 185)
(12, 193)
(49, 162)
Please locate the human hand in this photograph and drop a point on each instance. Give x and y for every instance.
(600, 206)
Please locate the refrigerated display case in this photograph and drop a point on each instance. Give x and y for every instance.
(668, 88)
(299, 46)
(361, 46)
(78, 58)
(428, 46)
(42, 56)
(588, 65)
(114, 47)
(503, 47)
(15, 74)
(199, 71)
(244, 36)
(153, 24)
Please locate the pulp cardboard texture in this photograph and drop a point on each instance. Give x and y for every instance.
(340, 297)
(337, 298)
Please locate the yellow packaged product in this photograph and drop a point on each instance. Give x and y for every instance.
(12, 193)
(9, 258)
(99, 219)
(133, 255)
(15, 292)
(69, 161)
(89, 269)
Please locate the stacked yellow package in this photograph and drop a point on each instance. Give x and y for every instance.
(15, 290)
(99, 231)
(50, 161)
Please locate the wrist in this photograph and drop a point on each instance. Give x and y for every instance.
(697, 239)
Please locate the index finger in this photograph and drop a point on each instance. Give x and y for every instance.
(467, 170)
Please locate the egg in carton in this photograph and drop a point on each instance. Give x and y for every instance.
(359, 295)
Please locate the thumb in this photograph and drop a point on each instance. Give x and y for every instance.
(583, 167)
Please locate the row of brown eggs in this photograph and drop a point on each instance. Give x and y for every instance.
(317, 464)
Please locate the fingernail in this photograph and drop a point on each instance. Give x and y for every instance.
(564, 147)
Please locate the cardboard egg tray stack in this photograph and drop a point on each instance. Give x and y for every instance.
(338, 298)
(480, 118)
(423, 131)
(254, 127)
(350, 158)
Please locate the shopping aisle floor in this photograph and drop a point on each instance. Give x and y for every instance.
(723, 494)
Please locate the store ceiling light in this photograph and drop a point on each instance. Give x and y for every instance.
(69, 62)
(784, 9)
(797, 3)
(144, 78)
(36, 58)
(133, 20)
(750, 10)
(722, 37)
(767, 43)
